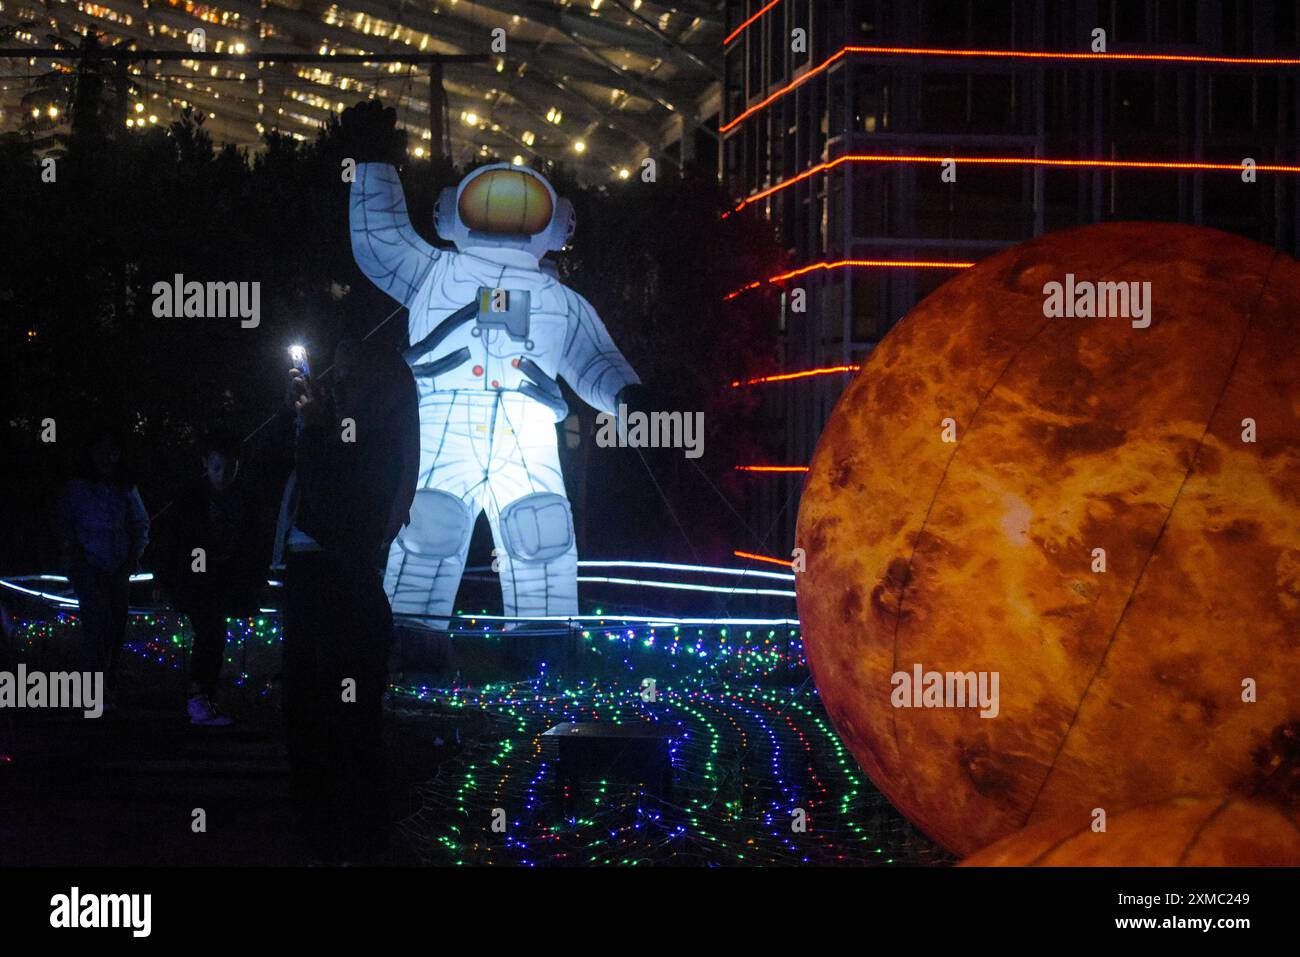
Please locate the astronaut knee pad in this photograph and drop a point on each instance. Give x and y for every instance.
(537, 527)
(441, 526)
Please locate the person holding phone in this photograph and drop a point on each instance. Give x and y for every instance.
(356, 450)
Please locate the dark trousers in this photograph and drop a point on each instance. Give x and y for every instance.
(208, 621)
(103, 599)
(220, 594)
(338, 633)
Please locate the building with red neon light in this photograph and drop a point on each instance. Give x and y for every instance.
(807, 135)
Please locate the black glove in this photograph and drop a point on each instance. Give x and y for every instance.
(637, 401)
(368, 133)
(637, 397)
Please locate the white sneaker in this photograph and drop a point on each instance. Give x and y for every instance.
(203, 712)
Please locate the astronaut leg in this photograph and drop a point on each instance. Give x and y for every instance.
(427, 558)
(532, 522)
(539, 570)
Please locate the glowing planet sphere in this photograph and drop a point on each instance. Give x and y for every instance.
(1183, 832)
(1101, 514)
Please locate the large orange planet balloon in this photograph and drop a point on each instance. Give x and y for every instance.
(1100, 513)
(1183, 832)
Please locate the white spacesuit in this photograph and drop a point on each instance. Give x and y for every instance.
(489, 332)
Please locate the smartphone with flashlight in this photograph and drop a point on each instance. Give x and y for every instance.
(299, 356)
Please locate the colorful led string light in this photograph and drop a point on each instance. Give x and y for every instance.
(747, 756)
(754, 745)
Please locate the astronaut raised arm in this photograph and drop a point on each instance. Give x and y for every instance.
(386, 247)
(592, 364)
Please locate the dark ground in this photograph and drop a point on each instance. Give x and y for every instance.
(121, 790)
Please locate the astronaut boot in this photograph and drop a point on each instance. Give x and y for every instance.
(541, 597)
(424, 569)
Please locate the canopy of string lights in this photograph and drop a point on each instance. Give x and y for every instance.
(598, 84)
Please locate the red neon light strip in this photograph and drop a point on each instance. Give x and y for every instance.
(786, 376)
(879, 263)
(732, 295)
(771, 468)
(741, 29)
(764, 558)
(1008, 55)
(763, 104)
(845, 263)
(1013, 161)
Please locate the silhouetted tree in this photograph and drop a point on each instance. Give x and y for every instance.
(127, 211)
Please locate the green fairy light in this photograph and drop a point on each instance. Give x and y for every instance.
(746, 753)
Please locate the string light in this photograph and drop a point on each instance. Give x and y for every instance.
(851, 264)
(744, 758)
(1177, 165)
(744, 26)
(684, 586)
(751, 744)
(786, 376)
(764, 558)
(679, 567)
(1003, 54)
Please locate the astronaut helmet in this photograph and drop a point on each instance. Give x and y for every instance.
(506, 206)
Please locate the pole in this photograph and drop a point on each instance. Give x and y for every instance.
(437, 111)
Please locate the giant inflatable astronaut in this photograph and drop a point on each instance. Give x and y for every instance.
(490, 331)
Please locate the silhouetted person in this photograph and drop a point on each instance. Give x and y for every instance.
(212, 566)
(355, 461)
(103, 529)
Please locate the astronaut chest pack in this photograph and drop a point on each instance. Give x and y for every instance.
(493, 313)
(536, 527)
